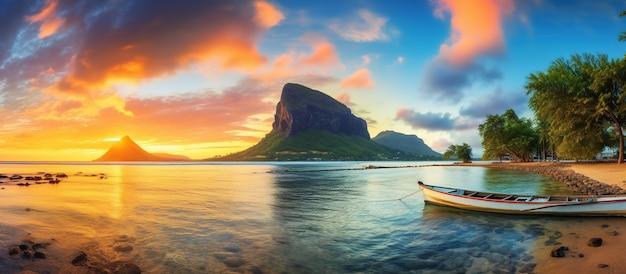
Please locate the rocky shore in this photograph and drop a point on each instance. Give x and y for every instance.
(559, 171)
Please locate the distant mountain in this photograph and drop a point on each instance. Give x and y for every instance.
(127, 150)
(405, 143)
(172, 157)
(310, 125)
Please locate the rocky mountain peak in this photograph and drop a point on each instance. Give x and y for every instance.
(301, 108)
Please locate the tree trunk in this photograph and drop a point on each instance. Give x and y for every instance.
(618, 126)
(620, 158)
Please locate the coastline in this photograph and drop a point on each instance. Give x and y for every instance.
(586, 178)
(575, 232)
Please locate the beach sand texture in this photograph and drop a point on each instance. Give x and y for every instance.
(575, 233)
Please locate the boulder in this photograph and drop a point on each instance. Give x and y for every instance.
(595, 242)
(559, 252)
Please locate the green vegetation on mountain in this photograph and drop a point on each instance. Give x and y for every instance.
(320, 145)
(406, 143)
(312, 126)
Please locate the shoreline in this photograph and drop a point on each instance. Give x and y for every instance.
(586, 178)
(575, 232)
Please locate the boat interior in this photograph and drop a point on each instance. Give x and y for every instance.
(511, 197)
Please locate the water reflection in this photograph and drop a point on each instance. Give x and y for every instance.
(270, 218)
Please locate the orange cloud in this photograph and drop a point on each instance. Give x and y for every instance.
(293, 62)
(361, 78)
(231, 118)
(323, 54)
(167, 38)
(267, 15)
(50, 23)
(344, 99)
(476, 28)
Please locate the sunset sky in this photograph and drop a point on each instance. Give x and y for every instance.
(202, 78)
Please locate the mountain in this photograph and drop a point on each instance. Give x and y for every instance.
(310, 125)
(172, 157)
(127, 150)
(301, 109)
(405, 143)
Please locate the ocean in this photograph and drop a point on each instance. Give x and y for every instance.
(268, 217)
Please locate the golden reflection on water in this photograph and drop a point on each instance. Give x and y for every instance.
(201, 218)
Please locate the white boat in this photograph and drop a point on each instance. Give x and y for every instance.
(576, 205)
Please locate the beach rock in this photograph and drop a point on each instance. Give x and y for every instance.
(27, 254)
(595, 242)
(123, 248)
(528, 268)
(232, 248)
(559, 252)
(40, 254)
(81, 259)
(128, 268)
(612, 233)
(573, 180)
(40, 246)
(233, 261)
(14, 250)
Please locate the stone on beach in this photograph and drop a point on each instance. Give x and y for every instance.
(559, 171)
(81, 259)
(595, 242)
(559, 252)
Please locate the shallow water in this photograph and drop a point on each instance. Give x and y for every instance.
(319, 217)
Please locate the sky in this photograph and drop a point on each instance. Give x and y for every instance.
(202, 78)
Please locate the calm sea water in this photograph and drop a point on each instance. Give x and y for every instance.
(326, 217)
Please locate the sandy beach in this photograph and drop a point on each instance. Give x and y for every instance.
(608, 173)
(575, 233)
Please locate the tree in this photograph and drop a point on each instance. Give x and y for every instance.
(544, 140)
(609, 83)
(579, 98)
(508, 134)
(463, 152)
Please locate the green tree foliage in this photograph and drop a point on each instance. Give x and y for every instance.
(508, 134)
(463, 152)
(578, 99)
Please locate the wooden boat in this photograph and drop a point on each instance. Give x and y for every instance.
(576, 205)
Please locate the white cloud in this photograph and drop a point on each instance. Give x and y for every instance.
(368, 27)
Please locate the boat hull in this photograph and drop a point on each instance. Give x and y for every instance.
(613, 205)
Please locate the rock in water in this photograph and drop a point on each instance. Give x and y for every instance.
(81, 259)
(301, 108)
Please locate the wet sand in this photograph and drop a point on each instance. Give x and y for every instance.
(575, 232)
